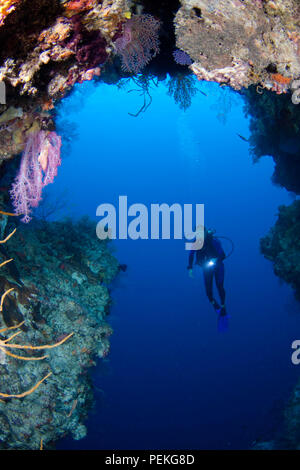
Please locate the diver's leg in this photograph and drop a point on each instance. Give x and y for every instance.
(208, 282)
(219, 276)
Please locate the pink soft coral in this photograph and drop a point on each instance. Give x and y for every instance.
(38, 168)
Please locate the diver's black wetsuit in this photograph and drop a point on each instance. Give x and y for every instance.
(212, 248)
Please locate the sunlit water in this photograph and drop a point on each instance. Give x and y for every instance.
(171, 379)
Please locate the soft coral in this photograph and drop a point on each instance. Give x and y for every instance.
(38, 168)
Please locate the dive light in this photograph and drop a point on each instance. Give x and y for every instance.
(210, 263)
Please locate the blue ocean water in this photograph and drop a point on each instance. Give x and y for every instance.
(172, 380)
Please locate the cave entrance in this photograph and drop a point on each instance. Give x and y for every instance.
(175, 382)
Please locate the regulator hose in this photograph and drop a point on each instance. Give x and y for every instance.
(229, 240)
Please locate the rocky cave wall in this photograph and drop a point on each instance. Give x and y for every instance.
(47, 46)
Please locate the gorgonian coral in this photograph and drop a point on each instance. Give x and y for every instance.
(182, 88)
(139, 42)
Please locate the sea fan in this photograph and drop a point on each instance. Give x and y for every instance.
(139, 42)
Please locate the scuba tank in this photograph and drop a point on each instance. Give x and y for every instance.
(212, 233)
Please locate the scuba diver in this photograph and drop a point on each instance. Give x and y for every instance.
(210, 257)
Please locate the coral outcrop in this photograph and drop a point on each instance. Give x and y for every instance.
(59, 275)
(288, 437)
(242, 42)
(48, 46)
(275, 131)
(282, 245)
(60, 42)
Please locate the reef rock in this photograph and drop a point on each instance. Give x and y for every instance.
(241, 42)
(275, 132)
(46, 47)
(59, 277)
(282, 245)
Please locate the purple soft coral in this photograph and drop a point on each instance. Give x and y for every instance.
(38, 168)
(139, 42)
(182, 58)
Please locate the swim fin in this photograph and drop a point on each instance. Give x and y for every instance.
(223, 321)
